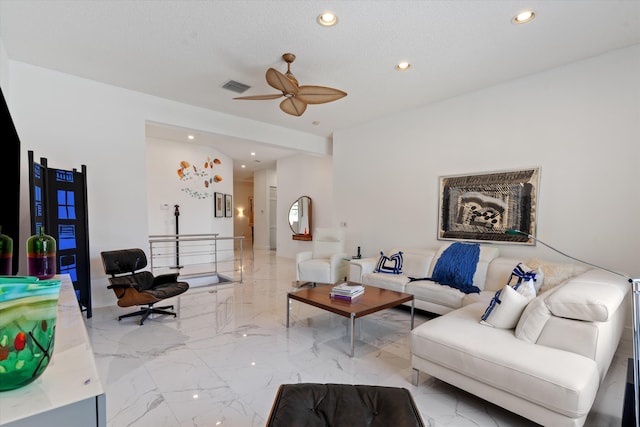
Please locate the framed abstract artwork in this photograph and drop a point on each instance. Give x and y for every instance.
(482, 207)
(228, 205)
(218, 205)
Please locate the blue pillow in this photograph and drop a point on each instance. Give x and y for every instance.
(389, 264)
(456, 267)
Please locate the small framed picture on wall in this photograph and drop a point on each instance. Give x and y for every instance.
(218, 204)
(228, 205)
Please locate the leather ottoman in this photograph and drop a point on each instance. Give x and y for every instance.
(321, 405)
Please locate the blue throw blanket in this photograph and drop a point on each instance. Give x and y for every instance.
(456, 267)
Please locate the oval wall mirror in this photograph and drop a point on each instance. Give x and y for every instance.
(300, 218)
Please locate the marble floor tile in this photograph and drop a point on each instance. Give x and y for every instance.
(220, 362)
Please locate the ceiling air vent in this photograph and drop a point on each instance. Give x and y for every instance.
(235, 86)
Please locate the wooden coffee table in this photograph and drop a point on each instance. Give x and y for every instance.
(373, 300)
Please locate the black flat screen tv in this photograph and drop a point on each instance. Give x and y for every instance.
(10, 186)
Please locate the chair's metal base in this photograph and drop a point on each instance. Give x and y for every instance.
(145, 312)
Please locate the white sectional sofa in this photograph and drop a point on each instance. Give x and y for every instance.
(549, 367)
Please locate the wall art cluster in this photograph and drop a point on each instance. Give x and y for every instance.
(197, 179)
(482, 207)
(223, 205)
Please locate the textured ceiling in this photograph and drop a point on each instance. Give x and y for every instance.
(186, 50)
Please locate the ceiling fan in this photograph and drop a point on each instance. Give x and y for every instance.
(296, 97)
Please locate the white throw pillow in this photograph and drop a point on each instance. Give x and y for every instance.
(507, 305)
(539, 280)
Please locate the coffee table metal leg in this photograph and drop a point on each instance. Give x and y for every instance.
(288, 303)
(413, 302)
(353, 324)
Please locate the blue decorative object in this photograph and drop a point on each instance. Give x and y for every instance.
(28, 312)
(496, 297)
(522, 274)
(492, 305)
(389, 264)
(457, 265)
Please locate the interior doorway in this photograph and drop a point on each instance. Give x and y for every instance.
(273, 215)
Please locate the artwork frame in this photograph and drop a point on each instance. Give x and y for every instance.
(218, 205)
(228, 205)
(481, 207)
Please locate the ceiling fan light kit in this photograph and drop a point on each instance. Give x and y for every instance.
(296, 97)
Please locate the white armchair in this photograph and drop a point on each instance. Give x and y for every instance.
(326, 263)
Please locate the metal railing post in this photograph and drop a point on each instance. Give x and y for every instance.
(241, 269)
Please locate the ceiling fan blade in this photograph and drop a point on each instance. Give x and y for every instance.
(258, 97)
(293, 106)
(319, 94)
(279, 81)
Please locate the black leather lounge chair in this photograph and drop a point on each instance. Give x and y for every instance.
(142, 288)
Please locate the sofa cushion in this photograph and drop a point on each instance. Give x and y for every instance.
(435, 293)
(394, 282)
(416, 262)
(592, 296)
(561, 381)
(499, 272)
(484, 297)
(533, 318)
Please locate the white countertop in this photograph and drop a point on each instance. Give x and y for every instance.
(72, 375)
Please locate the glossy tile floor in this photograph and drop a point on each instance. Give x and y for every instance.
(221, 361)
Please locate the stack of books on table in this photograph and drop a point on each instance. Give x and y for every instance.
(346, 291)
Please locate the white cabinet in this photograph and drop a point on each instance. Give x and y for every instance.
(69, 392)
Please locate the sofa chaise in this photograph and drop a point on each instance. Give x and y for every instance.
(547, 364)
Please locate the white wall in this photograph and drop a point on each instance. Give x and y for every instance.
(194, 194)
(302, 175)
(579, 123)
(73, 121)
(164, 187)
(4, 70)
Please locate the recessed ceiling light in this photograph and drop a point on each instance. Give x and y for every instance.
(243, 166)
(327, 19)
(402, 66)
(253, 154)
(190, 136)
(524, 17)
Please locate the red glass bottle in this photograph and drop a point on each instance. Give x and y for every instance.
(41, 255)
(6, 254)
